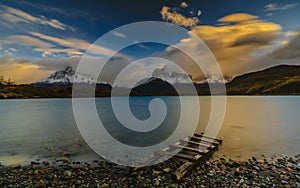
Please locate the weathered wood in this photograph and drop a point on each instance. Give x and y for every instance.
(215, 142)
(196, 150)
(183, 170)
(183, 156)
(191, 150)
(207, 137)
(197, 143)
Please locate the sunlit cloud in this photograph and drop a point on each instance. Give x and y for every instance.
(20, 71)
(176, 18)
(25, 41)
(239, 17)
(289, 51)
(292, 34)
(284, 42)
(234, 46)
(277, 7)
(184, 4)
(13, 15)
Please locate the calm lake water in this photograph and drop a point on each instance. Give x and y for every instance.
(253, 126)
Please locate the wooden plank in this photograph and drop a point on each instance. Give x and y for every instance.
(205, 141)
(183, 170)
(181, 155)
(197, 150)
(187, 140)
(194, 149)
(207, 137)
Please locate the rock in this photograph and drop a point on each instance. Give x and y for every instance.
(36, 172)
(35, 163)
(46, 163)
(155, 173)
(256, 168)
(64, 154)
(284, 182)
(157, 183)
(167, 169)
(237, 170)
(63, 159)
(105, 185)
(68, 173)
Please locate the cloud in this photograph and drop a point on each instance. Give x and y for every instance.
(292, 34)
(288, 51)
(75, 44)
(49, 51)
(239, 17)
(269, 14)
(178, 19)
(184, 4)
(12, 15)
(199, 12)
(234, 46)
(20, 71)
(276, 7)
(118, 34)
(35, 70)
(25, 41)
(72, 47)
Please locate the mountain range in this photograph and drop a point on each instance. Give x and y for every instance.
(278, 80)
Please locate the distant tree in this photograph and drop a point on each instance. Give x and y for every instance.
(9, 82)
(6, 82)
(2, 80)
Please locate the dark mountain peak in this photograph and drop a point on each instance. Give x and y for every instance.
(66, 76)
(68, 71)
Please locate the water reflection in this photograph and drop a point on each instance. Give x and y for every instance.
(252, 126)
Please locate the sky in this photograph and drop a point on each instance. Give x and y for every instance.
(40, 37)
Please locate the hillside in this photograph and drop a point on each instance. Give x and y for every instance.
(279, 80)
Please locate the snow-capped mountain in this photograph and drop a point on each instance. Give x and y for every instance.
(67, 76)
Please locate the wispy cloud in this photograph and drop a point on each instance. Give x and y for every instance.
(118, 34)
(73, 43)
(292, 34)
(25, 41)
(176, 18)
(13, 15)
(277, 7)
(49, 51)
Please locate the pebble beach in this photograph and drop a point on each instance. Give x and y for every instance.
(218, 172)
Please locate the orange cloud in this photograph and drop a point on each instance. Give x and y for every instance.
(239, 17)
(233, 46)
(24, 40)
(177, 18)
(19, 72)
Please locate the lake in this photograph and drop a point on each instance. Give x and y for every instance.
(253, 126)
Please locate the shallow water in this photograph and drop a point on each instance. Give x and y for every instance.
(41, 128)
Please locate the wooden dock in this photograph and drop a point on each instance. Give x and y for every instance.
(195, 149)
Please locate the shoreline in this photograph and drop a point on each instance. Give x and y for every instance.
(216, 172)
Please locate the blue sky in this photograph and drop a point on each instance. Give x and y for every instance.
(37, 30)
